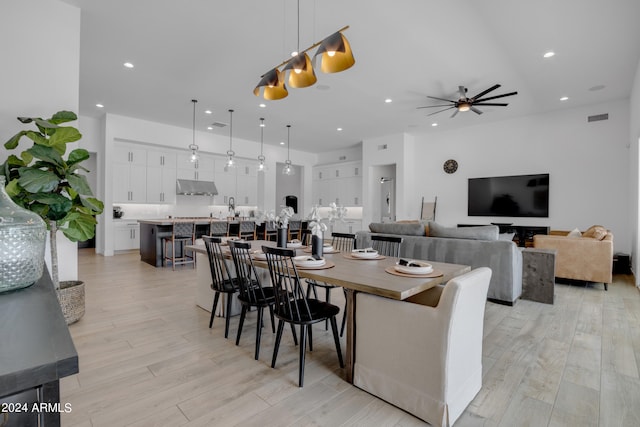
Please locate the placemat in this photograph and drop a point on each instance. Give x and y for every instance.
(350, 256)
(434, 273)
(328, 264)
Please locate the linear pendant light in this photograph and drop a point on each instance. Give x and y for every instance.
(230, 153)
(261, 158)
(193, 147)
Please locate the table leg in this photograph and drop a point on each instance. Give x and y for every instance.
(351, 334)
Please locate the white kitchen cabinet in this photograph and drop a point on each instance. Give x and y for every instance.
(246, 184)
(202, 169)
(130, 174)
(161, 177)
(127, 236)
(339, 183)
(225, 179)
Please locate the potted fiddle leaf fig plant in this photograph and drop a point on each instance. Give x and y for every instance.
(43, 181)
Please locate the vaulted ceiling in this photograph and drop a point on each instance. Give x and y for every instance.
(216, 51)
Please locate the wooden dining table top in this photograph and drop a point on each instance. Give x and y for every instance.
(365, 275)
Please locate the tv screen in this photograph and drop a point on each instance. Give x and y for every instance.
(516, 196)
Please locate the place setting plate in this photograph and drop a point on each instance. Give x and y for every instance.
(259, 255)
(326, 249)
(364, 254)
(307, 262)
(294, 244)
(413, 268)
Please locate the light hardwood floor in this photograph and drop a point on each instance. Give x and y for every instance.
(148, 358)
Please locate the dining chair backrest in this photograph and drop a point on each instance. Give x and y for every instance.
(246, 276)
(218, 228)
(295, 225)
(219, 270)
(305, 237)
(247, 229)
(387, 245)
(343, 242)
(291, 301)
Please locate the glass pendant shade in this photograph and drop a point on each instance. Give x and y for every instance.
(288, 169)
(272, 86)
(193, 147)
(22, 241)
(301, 72)
(336, 54)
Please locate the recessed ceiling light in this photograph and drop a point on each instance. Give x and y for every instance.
(339, 129)
(549, 54)
(262, 105)
(281, 142)
(209, 127)
(208, 112)
(99, 105)
(434, 124)
(564, 98)
(128, 65)
(388, 100)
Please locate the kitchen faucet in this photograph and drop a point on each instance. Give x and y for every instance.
(232, 205)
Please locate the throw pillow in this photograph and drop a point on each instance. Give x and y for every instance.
(597, 232)
(506, 236)
(574, 233)
(482, 232)
(411, 229)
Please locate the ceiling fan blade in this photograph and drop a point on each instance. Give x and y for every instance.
(484, 92)
(454, 113)
(494, 104)
(496, 97)
(475, 110)
(440, 111)
(431, 106)
(463, 91)
(441, 99)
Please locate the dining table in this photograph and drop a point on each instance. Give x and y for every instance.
(376, 276)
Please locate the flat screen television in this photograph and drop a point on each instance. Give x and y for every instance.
(514, 196)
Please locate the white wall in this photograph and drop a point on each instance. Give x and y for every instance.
(587, 162)
(39, 76)
(634, 175)
(350, 154)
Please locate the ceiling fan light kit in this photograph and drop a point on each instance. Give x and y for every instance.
(463, 103)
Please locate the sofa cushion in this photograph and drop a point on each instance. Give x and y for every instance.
(597, 232)
(481, 232)
(574, 233)
(407, 229)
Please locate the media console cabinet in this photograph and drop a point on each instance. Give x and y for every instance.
(523, 233)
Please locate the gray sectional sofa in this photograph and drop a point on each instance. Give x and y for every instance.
(480, 246)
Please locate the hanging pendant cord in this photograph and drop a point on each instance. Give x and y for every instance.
(194, 120)
(230, 130)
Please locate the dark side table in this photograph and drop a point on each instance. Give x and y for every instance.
(538, 274)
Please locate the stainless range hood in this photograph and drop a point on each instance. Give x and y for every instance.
(190, 187)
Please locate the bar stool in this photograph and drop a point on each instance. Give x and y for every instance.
(218, 228)
(247, 230)
(182, 234)
(270, 231)
(295, 227)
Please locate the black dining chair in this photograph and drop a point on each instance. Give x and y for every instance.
(386, 245)
(222, 281)
(252, 293)
(343, 242)
(295, 307)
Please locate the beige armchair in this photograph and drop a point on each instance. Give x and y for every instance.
(580, 258)
(424, 355)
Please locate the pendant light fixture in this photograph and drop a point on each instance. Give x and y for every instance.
(193, 147)
(261, 158)
(288, 167)
(335, 55)
(230, 153)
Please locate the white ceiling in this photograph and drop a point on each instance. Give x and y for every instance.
(216, 51)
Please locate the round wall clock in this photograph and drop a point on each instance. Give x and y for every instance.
(450, 166)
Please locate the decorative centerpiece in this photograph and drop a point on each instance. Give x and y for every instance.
(22, 240)
(317, 228)
(43, 182)
(283, 225)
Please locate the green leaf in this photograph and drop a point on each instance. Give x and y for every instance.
(25, 119)
(95, 205)
(48, 155)
(45, 124)
(65, 135)
(59, 206)
(12, 188)
(15, 139)
(63, 117)
(78, 227)
(37, 137)
(14, 160)
(37, 181)
(76, 156)
(26, 157)
(79, 184)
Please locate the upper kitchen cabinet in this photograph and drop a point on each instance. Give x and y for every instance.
(161, 177)
(246, 184)
(225, 179)
(339, 183)
(200, 170)
(130, 173)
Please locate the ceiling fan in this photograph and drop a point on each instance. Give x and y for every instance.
(465, 104)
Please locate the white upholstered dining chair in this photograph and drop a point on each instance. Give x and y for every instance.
(424, 355)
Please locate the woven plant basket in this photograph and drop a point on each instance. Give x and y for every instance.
(71, 297)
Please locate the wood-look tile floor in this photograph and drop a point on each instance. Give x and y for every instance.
(148, 358)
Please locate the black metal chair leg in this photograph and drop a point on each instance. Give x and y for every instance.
(273, 322)
(334, 328)
(344, 314)
(243, 313)
(303, 339)
(259, 332)
(310, 338)
(213, 309)
(327, 295)
(276, 345)
(295, 336)
(227, 315)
